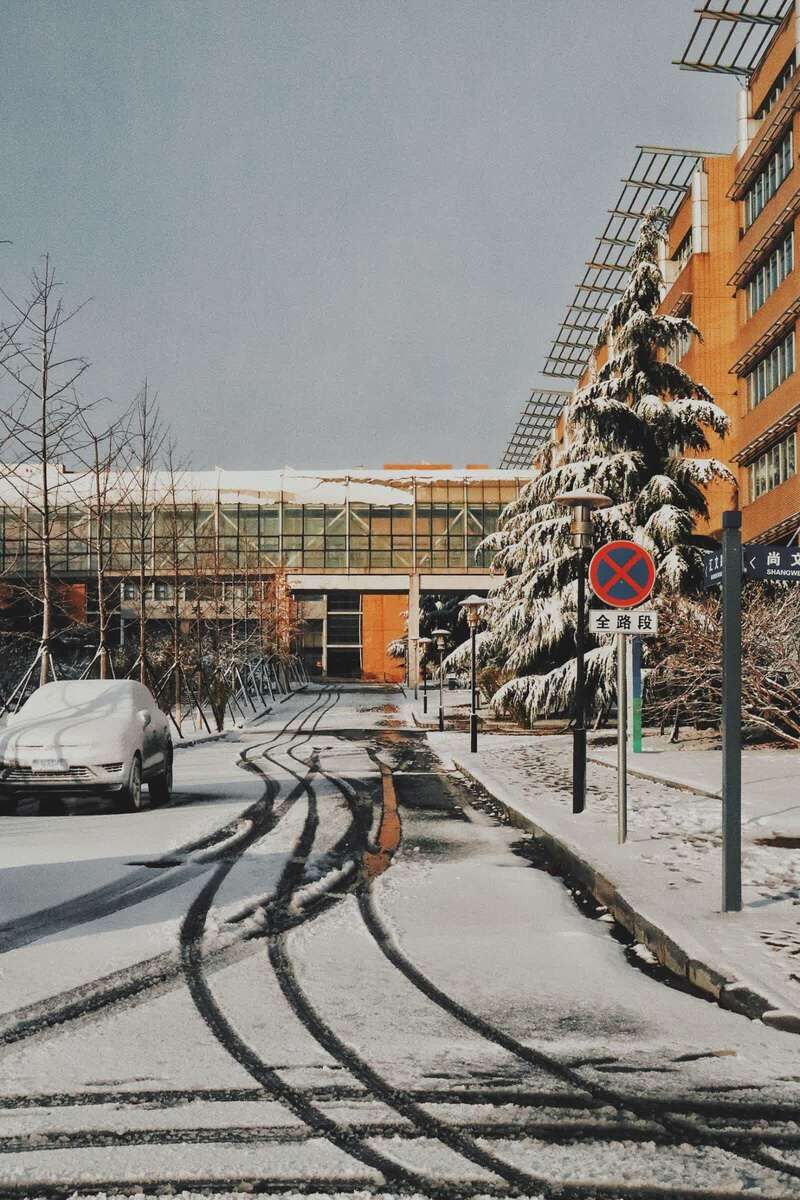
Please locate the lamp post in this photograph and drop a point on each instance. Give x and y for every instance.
(583, 505)
(473, 606)
(424, 643)
(441, 636)
(414, 642)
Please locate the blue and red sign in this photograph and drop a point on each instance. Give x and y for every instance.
(622, 574)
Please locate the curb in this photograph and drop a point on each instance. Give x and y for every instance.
(681, 785)
(185, 743)
(724, 988)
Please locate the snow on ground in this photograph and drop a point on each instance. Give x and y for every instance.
(670, 867)
(150, 1089)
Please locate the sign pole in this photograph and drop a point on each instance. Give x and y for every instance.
(635, 705)
(622, 739)
(579, 732)
(731, 711)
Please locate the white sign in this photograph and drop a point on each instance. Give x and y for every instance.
(642, 621)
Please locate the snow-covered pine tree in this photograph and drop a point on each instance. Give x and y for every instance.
(636, 432)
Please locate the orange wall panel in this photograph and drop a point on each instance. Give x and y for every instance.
(383, 618)
(71, 598)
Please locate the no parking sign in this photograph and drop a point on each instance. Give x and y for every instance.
(622, 574)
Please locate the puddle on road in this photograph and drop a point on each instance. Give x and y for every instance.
(374, 863)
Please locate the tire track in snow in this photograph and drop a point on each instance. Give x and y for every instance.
(134, 888)
(142, 979)
(672, 1122)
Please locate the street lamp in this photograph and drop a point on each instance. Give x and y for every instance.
(583, 505)
(441, 636)
(412, 641)
(424, 643)
(473, 606)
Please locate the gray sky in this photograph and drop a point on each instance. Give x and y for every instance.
(331, 233)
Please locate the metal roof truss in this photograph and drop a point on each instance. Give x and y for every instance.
(732, 36)
(534, 427)
(659, 178)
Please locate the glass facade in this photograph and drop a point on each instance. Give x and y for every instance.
(771, 98)
(683, 252)
(771, 274)
(773, 467)
(767, 182)
(438, 530)
(771, 371)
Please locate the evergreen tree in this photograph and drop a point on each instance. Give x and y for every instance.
(636, 432)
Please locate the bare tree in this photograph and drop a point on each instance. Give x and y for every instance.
(104, 457)
(147, 440)
(42, 427)
(684, 682)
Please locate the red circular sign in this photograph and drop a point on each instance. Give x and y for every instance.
(622, 574)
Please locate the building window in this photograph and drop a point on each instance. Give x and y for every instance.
(773, 467)
(344, 634)
(769, 179)
(774, 368)
(683, 252)
(680, 347)
(769, 101)
(770, 274)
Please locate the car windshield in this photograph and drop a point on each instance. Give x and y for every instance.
(89, 696)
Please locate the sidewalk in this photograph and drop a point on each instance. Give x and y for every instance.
(456, 704)
(664, 884)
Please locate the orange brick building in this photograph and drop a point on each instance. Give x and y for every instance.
(729, 264)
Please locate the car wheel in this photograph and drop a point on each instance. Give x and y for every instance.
(160, 788)
(8, 805)
(131, 795)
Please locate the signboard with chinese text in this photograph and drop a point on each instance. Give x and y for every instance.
(779, 564)
(641, 621)
(712, 568)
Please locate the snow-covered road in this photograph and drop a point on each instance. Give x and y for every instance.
(326, 967)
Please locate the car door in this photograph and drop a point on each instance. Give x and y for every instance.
(152, 732)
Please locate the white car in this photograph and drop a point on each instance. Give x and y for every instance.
(77, 737)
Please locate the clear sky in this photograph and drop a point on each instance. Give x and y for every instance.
(331, 232)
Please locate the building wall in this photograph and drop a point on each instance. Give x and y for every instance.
(383, 619)
(711, 287)
(775, 515)
(701, 291)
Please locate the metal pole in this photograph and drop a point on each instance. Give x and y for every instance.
(635, 706)
(425, 689)
(441, 694)
(579, 733)
(416, 669)
(731, 711)
(473, 716)
(622, 739)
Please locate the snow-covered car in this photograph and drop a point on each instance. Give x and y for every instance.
(77, 737)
